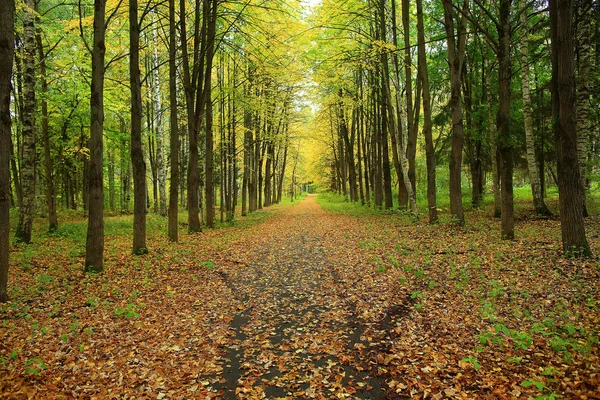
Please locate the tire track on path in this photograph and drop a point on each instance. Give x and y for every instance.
(298, 334)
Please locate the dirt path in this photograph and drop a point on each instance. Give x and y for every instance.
(297, 333)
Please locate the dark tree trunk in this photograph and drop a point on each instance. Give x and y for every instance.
(247, 156)
(427, 123)
(411, 143)
(7, 17)
(49, 170)
(174, 134)
(505, 140)
(570, 188)
(137, 155)
(23, 232)
(94, 254)
(209, 156)
(456, 53)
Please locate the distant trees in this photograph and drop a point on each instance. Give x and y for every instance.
(471, 119)
(394, 80)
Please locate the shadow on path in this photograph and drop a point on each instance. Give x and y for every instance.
(297, 334)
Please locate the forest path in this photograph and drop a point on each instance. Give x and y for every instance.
(297, 334)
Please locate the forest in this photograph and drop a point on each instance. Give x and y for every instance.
(249, 199)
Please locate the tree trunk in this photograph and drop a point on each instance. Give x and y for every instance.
(7, 19)
(194, 95)
(161, 166)
(570, 189)
(584, 64)
(493, 150)
(456, 54)
(137, 154)
(505, 140)
(173, 123)
(532, 164)
(247, 154)
(110, 156)
(49, 170)
(427, 123)
(209, 156)
(23, 233)
(94, 248)
(411, 143)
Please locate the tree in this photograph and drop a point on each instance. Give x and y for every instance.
(7, 43)
(137, 155)
(456, 42)
(28, 164)
(564, 124)
(505, 139)
(174, 134)
(532, 164)
(427, 124)
(584, 70)
(49, 173)
(94, 247)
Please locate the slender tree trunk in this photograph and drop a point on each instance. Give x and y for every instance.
(247, 155)
(532, 164)
(493, 150)
(209, 156)
(161, 165)
(411, 143)
(427, 123)
(110, 157)
(570, 189)
(15, 172)
(174, 134)
(456, 54)
(7, 20)
(194, 95)
(49, 170)
(505, 140)
(94, 255)
(23, 233)
(137, 154)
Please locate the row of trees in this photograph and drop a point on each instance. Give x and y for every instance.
(208, 116)
(459, 75)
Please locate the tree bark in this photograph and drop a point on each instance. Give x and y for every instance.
(505, 139)
(411, 143)
(532, 164)
(94, 254)
(7, 19)
(493, 149)
(173, 124)
(427, 123)
(28, 164)
(137, 154)
(570, 189)
(48, 166)
(584, 64)
(209, 156)
(456, 54)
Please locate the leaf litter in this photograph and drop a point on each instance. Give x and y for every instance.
(310, 304)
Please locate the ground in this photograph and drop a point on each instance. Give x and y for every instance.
(307, 303)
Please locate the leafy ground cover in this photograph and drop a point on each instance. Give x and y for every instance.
(307, 301)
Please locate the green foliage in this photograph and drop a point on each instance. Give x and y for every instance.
(473, 361)
(208, 264)
(34, 366)
(129, 311)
